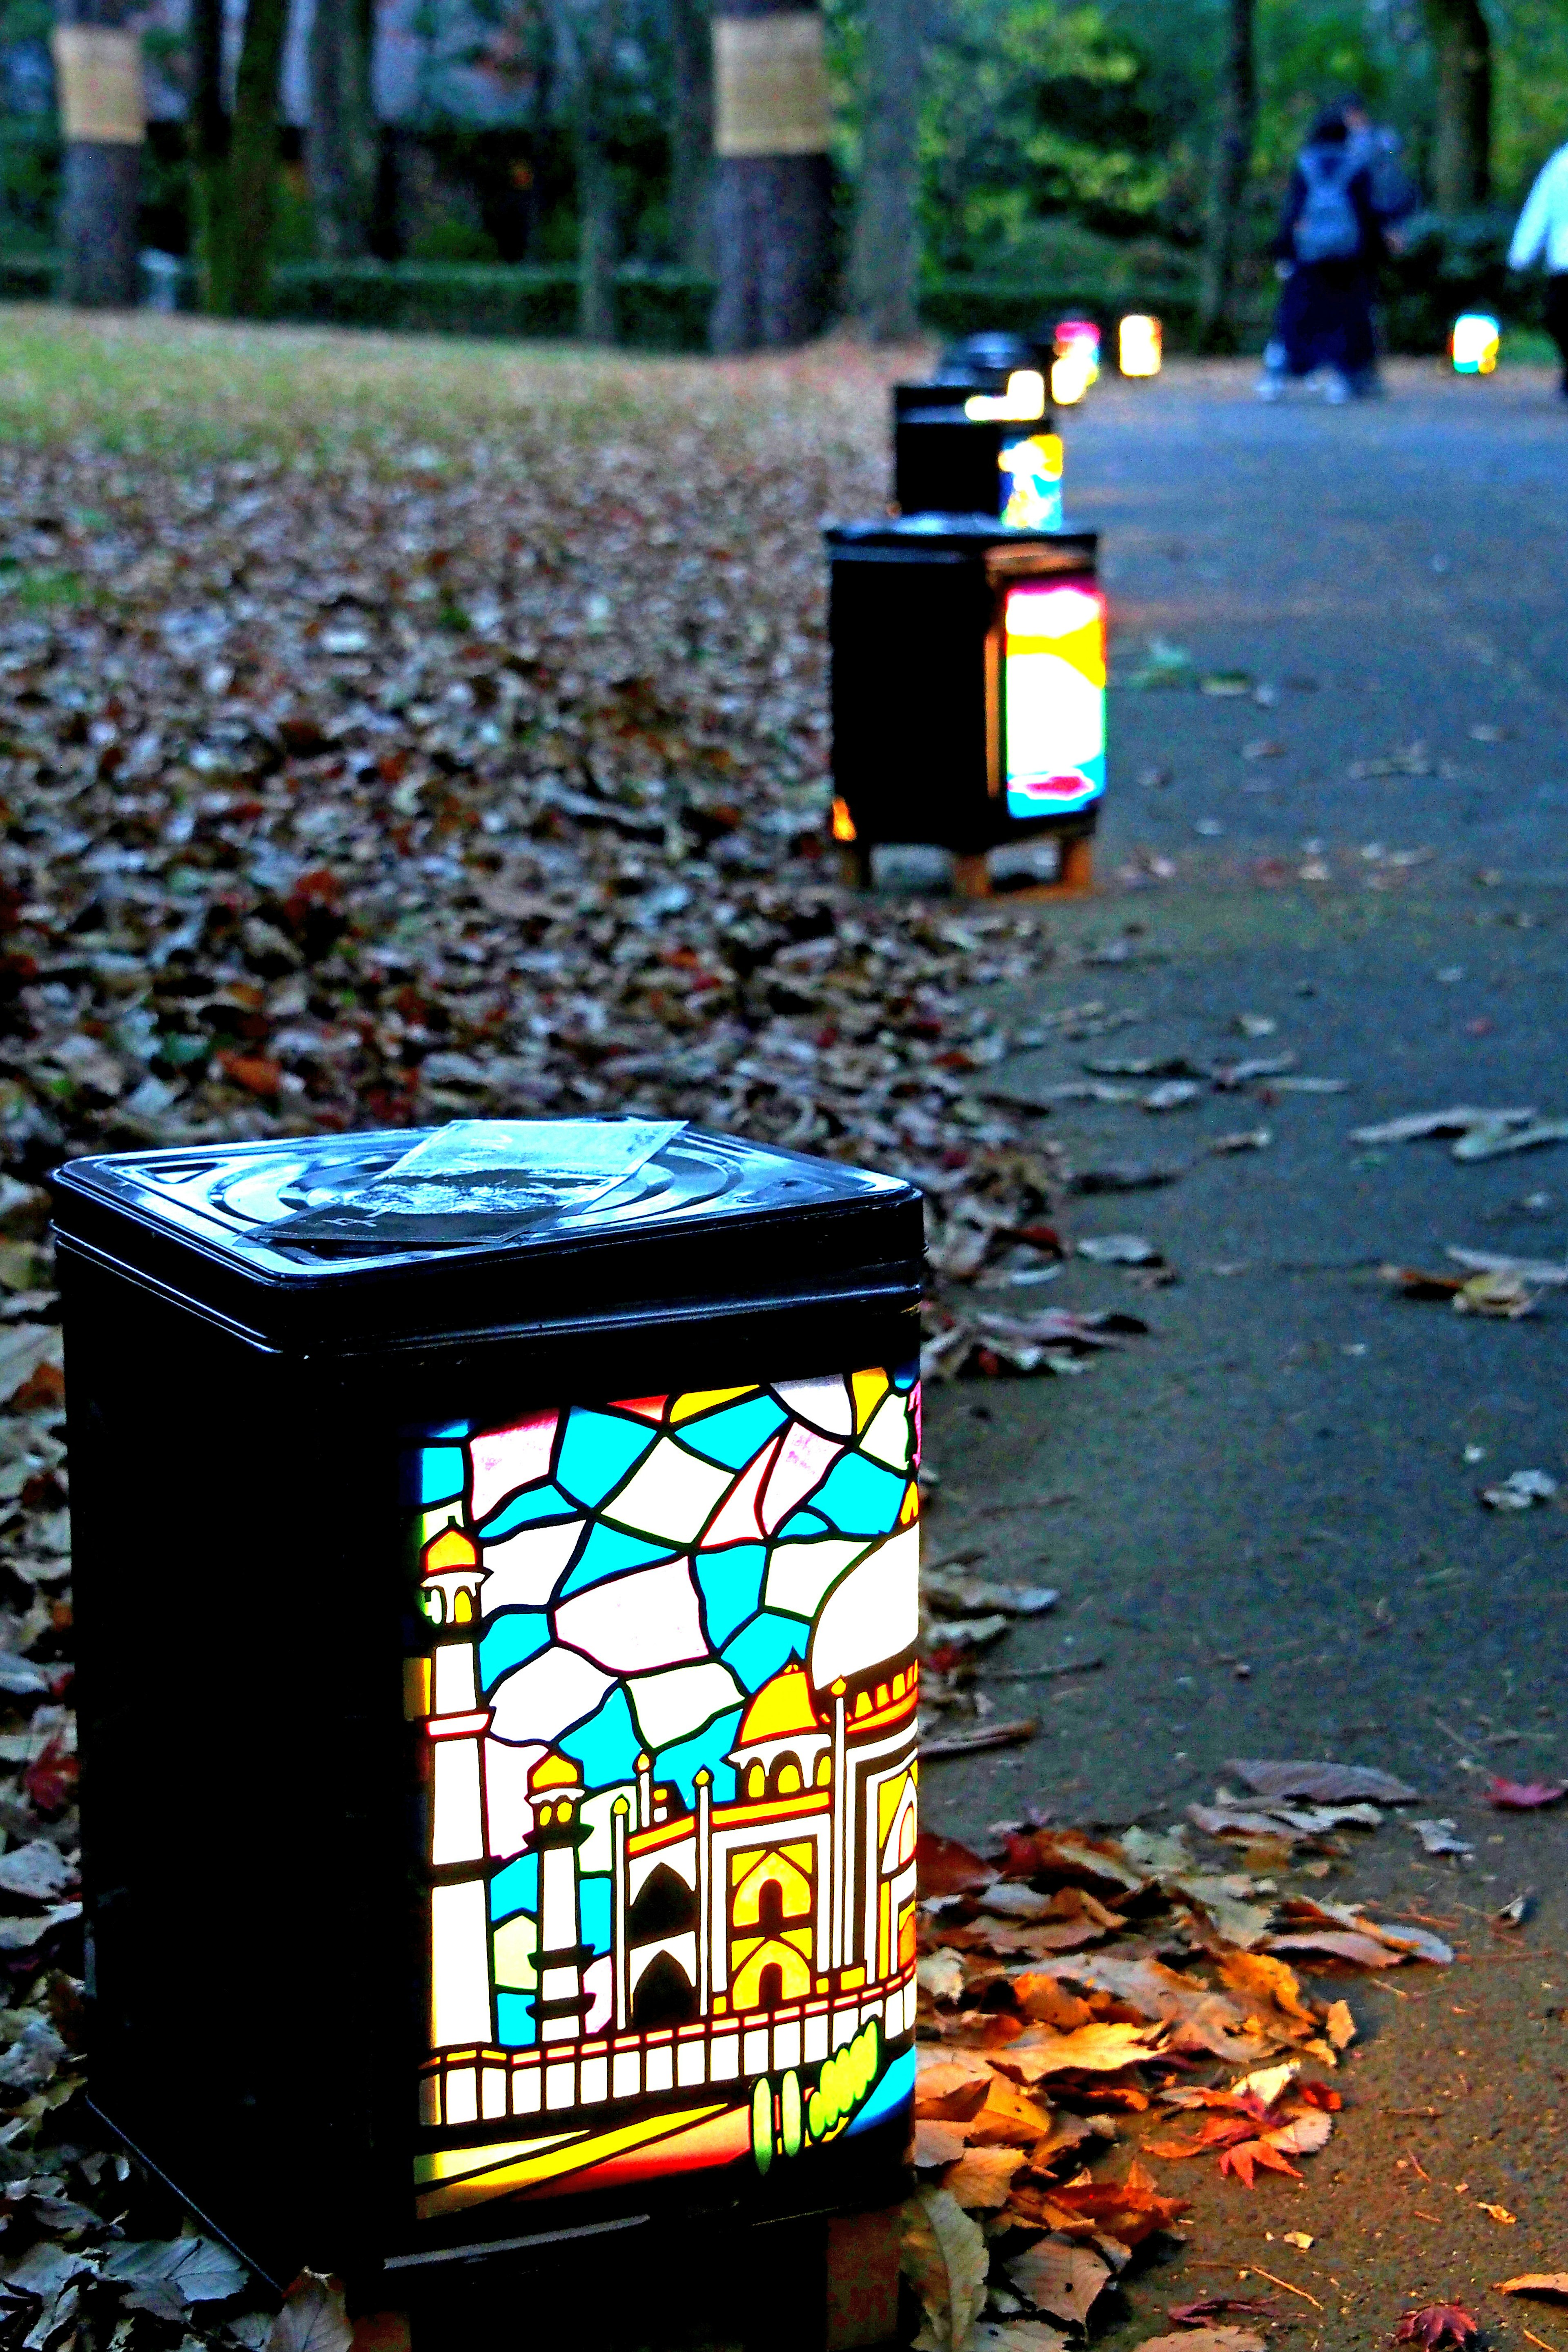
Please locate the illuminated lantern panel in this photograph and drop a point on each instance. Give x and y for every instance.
(1077, 363)
(1034, 471)
(1475, 343)
(667, 1705)
(1140, 345)
(1022, 402)
(1054, 697)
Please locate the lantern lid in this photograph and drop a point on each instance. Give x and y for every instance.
(961, 536)
(416, 1227)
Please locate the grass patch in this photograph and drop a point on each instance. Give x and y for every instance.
(41, 590)
(146, 386)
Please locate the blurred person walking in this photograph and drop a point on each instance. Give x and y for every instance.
(1542, 236)
(1329, 243)
(1395, 196)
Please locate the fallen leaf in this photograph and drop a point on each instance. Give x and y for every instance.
(1489, 1142)
(1500, 2213)
(1059, 2278)
(937, 2143)
(1512, 1915)
(1090, 2050)
(1436, 2324)
(1327, 1784)
(980, 2182)
(1554, 2282)
(1521, 1490)
(1545, 1273)
(1460, 1120)
(944, 1867)
(1441, 1836)
(1119, 1249)
(989, 1735)
(314, 2317)
(943, 2255)
(1524, 1796)
(940, 1974)
(1018, 2335)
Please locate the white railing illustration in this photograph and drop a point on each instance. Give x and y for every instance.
(481, 2085)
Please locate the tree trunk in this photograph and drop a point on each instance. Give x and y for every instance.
(773, 188)
(1461, 148)
(340, 136)
(253, 152)
(207, 131)
(691, 134)
(1235, 133)
(596, 228)
(98, 70)
(887, 234)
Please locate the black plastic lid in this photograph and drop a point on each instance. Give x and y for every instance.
(375, 1233)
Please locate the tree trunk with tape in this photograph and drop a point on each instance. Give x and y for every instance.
(98, 68)
(771, 210)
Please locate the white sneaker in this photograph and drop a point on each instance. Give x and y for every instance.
(1269, 386)
(1336, 391)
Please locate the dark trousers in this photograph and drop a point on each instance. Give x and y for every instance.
(1557, 317)
(1325, 319)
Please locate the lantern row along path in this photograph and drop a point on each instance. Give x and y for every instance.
(1266, 1516)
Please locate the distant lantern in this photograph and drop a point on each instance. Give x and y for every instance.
(968, 695)
(1076, 366)
(533, 1660)
(1475, 343)
(1140, 345)
(962, 441)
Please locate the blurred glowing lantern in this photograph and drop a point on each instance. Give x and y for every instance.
(612, 1914)
(1077, 363)
(1140, 345)
(968, 690)
(1033, 471)
(1022, 402)
(1475, 344)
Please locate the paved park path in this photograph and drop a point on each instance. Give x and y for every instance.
(1269, 1527)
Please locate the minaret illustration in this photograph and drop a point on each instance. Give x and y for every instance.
(461, 2009)
(555, 1786)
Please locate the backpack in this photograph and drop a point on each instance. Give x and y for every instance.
(1327, 228)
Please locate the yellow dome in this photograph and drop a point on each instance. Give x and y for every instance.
(781, 1710)
(554, 1771)
(451, 1548)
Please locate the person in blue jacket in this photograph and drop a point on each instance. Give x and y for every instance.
(1329, 243)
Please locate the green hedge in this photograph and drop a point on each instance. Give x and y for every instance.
(656, 310)
(966, 306)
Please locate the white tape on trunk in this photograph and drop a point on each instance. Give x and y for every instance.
(98, 69)
(769, 85)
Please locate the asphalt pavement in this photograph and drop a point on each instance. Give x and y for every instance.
(1265, 1517)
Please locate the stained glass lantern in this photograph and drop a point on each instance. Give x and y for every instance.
(1140, 345)
(977, 440)
(1075, 366)
(495, 1561)
(1475, 344)
(968, 695)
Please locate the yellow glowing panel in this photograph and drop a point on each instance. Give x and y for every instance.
(1140, 342)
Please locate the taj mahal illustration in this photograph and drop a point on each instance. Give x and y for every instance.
(747, 1936)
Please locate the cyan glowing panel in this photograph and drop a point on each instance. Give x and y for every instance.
(1053, 698)
(1034, 471)
(670, 1777)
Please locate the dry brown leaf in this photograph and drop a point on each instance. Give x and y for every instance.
(981, 2180)
(314, 2317)
(1206, 2339)
(1554, 2282)
(1088, 2049)
(1009, 2117)
(1018, 2335)
(1323, 1784)
(1059, 2278)
(943, 2255)
(937, 2143)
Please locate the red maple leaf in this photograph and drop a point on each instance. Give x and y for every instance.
(1524, 1796)
(1437, 2324)
(50, 1778)
(1241, 2160)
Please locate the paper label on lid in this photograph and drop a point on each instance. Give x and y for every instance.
(550, 1150)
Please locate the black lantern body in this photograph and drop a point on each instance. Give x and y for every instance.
(968, 683)
(496, 1829)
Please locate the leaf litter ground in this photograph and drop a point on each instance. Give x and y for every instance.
(392, 734)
